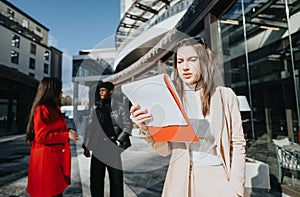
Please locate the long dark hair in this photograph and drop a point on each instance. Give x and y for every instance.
(48, 93)
(207, 68)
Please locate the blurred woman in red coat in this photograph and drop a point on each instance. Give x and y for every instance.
(47, 132)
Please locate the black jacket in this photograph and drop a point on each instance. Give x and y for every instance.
(115, 123)
(103, 112)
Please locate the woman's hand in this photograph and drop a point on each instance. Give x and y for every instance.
(140, 116)
(73, 135)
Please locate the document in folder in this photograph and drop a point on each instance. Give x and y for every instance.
(158, 95)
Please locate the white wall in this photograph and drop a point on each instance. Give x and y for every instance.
(125, 5)
(151, 33)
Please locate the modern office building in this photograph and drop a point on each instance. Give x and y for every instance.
(256, 44)
(25, 58)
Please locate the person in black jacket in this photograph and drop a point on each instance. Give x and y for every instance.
(107, 135)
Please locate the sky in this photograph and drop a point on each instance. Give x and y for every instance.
(74, 25)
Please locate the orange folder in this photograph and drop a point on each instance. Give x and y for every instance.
(140, 92)
(174, 133)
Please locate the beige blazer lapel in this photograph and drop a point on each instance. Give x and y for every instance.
(223, 145)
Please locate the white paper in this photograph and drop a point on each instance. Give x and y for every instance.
(153, 94)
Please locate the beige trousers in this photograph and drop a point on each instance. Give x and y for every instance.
(209, 181)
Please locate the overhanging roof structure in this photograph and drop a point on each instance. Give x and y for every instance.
(17, 76)
(139, 13)
(266, 12)
(186, 26)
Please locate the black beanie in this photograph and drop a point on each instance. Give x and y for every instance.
(108, 85)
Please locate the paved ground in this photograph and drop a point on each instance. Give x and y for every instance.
(263, 151)
(144, 170)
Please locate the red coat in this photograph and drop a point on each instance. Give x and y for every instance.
(50, 157)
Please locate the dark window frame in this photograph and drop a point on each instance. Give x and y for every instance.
(32, 63)
(46, 55)
(15, 41)
(33, 49)
(46, 68)
(14, 57)
(11, 14)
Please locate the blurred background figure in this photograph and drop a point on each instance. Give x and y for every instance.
(107, 135)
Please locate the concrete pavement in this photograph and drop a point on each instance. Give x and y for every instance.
(14, 185)
(144, 169)
(143, 176)
(84, 173)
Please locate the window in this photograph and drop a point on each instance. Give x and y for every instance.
(11, 14)
(38, 31)
(4, 103)
(14, 57)
(46, 55)
(33, 48)
(31, 75)
(15, 42)
(25, 23)
(14, 113)
(46, 68)
(31, 63)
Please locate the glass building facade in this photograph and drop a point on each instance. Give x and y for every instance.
(260, 51)
(256, 47)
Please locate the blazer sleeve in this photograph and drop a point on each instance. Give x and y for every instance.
(162, 148)
(237, 145)
(47, 131)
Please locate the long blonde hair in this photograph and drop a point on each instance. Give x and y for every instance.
(207, 68)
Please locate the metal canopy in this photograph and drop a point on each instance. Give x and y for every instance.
(138, 14)
(184, 27)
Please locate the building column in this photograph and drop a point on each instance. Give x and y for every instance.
(160, 67)
(268, 118)
(75, 99)
(289, 124)
(213, 39)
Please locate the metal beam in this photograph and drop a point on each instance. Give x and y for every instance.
(269, 22)
(119, 40)
(123, 33)
(263, 8)
(128, 25)
(93, 78)
(167, 2)
(135, 17)
(278, 6)
(146, 8)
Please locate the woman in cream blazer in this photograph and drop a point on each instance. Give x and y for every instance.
(192, 172)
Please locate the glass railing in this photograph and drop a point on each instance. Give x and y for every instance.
(180, 6)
